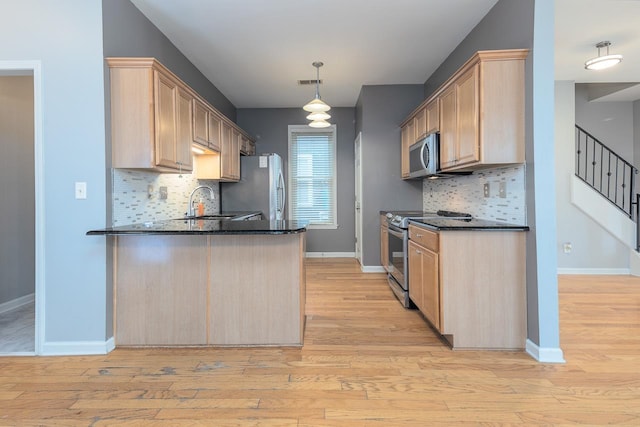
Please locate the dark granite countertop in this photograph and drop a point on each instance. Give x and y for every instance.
(468, 225)
(204, 226)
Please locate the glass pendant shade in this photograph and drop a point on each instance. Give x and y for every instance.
(320, 115)
(602, 62)
(319, 124)
(316, 105)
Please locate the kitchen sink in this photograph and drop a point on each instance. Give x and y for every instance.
(211, 217)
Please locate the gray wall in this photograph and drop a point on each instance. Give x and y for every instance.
(610, 122)
(270, 127)
(510, 25)
(379, 112)
(17, 209)
(636, 133)
(127, 32)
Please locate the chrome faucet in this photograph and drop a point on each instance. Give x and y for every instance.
(191, 211)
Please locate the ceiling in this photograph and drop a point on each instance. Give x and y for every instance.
(580, 24)
(255, 51)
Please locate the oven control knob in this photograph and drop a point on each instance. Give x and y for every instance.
(389, 215)
(397, 218)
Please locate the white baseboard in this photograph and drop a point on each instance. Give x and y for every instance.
(544, 355)
(596, 271)
(111, 345)
(77, 348)
(372, 269)
(18, 302)
(330, 255)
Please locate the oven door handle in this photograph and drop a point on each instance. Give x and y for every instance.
(393, 232)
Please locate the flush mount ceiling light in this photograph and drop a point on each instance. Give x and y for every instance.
(317, 107)
(602, 62)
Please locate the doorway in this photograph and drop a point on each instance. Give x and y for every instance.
(20, 246)
(358, 196)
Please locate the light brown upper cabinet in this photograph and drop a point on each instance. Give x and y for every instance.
(420, 123)
(459, 143)
(150, 117)
(433, 116)
(206, 126)
(156, 118)
(247, 147)
(408, 138)
(215, 129)
(479, 112)
(200, 123)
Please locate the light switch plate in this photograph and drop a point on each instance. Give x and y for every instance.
(163, 193)
(487, 192)
(502, 189)
(81, 190)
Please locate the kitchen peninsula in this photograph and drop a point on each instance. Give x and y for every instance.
(195, 282)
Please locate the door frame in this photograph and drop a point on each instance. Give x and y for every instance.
(34, 68)
(357, 147)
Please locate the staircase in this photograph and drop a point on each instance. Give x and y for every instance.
(599, 168)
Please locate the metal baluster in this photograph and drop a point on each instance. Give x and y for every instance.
(615, 196)
(578, 135)
(609, 176)
(601, 157)
(624, 185)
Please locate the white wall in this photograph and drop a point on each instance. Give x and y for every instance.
(66, 37)
(593, 248)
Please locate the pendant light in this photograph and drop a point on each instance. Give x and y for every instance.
(317, 107)
(602, 62)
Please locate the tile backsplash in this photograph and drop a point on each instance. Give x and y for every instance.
(133, 203)
(466, 194)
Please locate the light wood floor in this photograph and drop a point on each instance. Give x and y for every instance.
(366, 362)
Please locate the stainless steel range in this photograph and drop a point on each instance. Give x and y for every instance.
(398, 240)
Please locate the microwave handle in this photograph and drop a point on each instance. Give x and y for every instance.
(424, 147)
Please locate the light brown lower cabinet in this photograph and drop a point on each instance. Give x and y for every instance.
(470, 285)
(423, 271)
(239, 290)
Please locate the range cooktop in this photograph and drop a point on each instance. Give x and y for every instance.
(401, 218)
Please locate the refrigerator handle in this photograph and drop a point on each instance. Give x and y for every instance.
(284, 193)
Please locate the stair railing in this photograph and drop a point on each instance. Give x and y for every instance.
(605, 171)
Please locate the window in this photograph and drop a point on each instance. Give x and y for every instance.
(312, 175)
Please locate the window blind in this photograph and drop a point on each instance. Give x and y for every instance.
(312, 175)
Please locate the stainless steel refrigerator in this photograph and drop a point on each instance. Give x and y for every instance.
(261, 187)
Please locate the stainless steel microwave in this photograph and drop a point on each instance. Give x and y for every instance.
(423, 156)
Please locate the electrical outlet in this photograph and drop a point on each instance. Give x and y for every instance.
(566, 247)
(150, 191)
(163, 193)
(81, 190)
(502, 189)
(487, 190)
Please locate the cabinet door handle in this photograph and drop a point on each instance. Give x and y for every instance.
(418, 252)
(418, 235)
